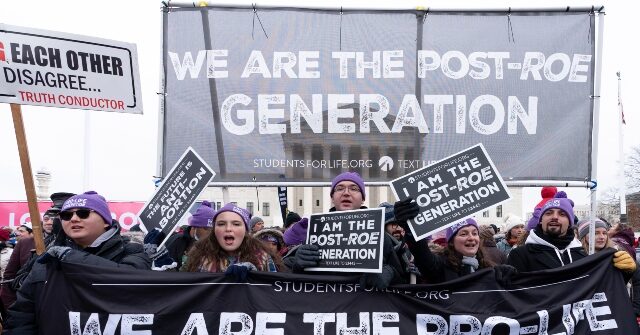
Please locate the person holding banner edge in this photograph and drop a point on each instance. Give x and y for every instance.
(348, 193)
(89, 236)
(552, 243)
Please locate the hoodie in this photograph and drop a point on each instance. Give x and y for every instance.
(539, 254)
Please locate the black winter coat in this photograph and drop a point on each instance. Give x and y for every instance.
(434, 268)
(179, 244)
(538, 254)
(390, 257)
(114, 252)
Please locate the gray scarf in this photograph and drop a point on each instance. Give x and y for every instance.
(471, 261)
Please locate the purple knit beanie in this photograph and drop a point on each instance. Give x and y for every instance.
(350, 176)
(297, 234)
(563, 204)
(535, 219)
(203, 217)
(89, 200)
(453, 230)
(244, 214)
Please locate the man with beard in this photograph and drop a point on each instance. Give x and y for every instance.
(552, 243)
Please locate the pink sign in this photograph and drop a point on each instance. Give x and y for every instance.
(15, 213)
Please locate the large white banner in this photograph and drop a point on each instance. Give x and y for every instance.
(302, 95)
(50, 68)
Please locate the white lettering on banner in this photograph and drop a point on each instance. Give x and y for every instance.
(195, 323)
(187, 64)
(385, 64)
(573, 314)
(581, 310)
(410, 114)
(572, 68)
(246, 323)
(331, 164)
(124, 213)
(127, 323)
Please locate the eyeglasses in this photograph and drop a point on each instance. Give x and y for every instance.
(81, 213)
(352, 189)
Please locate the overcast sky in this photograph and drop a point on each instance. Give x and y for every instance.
(123, 158)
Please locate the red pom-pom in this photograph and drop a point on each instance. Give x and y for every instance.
(548, 191)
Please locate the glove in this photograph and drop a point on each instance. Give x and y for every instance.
(151, 241)
(504, 273)
(307, 255)
(156, 236)
(54, 252)
(623, 261)
(405, 210)
(162, 261)
(240, 271)
(378, 280)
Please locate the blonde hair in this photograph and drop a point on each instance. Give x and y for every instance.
(585, 243)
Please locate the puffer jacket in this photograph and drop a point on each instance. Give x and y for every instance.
(113, 251)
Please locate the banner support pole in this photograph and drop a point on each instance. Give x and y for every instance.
(599, 19)
(27, 175)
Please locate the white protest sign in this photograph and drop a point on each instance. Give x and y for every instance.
(50, 68)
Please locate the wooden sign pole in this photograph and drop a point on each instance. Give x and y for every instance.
(27, 175)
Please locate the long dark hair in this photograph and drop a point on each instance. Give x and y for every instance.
(454, 258)
(209, 251)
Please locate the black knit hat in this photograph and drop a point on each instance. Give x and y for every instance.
(292, 218)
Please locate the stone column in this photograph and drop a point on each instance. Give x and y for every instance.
(43, 179)
(365, 176)
(326, 156)
(307, 199)
(326, 199)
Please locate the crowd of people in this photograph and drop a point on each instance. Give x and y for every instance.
(79, 228)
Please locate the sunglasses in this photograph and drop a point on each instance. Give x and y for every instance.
(81, 213)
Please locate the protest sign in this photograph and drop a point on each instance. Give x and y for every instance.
(586, 297)
(349, 241)
(451, 190)
(50, 68)
(282, 198)
(173, 199)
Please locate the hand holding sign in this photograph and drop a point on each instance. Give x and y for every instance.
(307, 255)
(405, 210)
(448, 191)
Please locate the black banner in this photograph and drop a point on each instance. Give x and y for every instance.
(173, 199)
(282, 198)
(451, 190)
(349, 241)
(586, 297)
